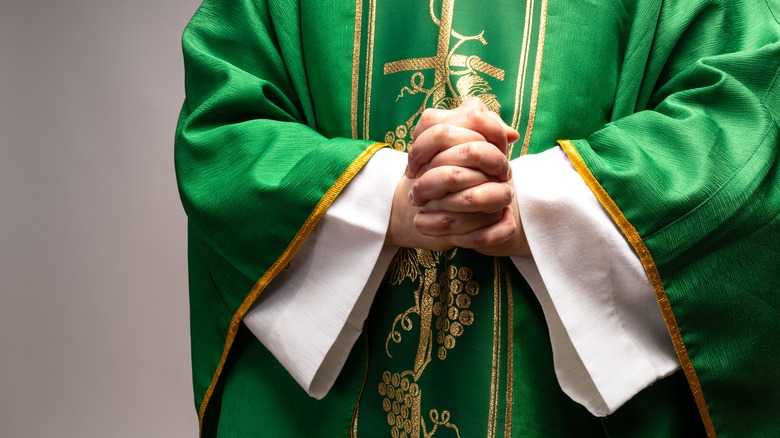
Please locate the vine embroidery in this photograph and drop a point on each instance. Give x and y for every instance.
(444, 93)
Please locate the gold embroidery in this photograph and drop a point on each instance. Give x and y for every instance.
(445, 296)
(443, 421)
(446, 63)
(401, 402)
(443, 300)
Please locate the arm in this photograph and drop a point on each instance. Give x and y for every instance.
(691, 179)
(310, 316)
(688, 170)
(255, 177)
(608, 338)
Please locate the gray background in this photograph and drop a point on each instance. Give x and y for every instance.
(93, 301)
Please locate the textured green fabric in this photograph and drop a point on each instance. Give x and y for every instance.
(260, 399)
(469, 302)
(696, 170)
(246, 141)
(674, 105)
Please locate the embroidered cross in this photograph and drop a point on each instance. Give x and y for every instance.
(444, 58)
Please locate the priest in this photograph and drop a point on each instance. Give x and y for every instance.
(534, 218)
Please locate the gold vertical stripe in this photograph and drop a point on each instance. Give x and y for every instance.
(493, 408)
(537, 74)
(354, 106)
(356, 412)
(284, 259)
(354, 429)
(524, 47)
(356, 65)
(653, 275)
(521, 75)
(369, 67)
(510, 367)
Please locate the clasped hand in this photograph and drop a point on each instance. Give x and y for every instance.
(458, 190)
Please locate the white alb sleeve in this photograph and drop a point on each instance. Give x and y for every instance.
(608, 337)
(310, 316)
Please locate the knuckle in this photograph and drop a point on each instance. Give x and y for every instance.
(416, 189)
(452, 175)
(412, 154)
(470, 152)
(507, 194)
(446, 222)
(506, 169)
(440, 132)
(426, 114)
(420, 225)
(476, 116)
(471, 198)
(481, 240)
(499, 164)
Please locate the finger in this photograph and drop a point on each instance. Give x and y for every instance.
(482, 122)
(434, 140)
(475, 155)
(487, 123)
(475, 103)
(438, 182)
(429, 118)
(486, 198)
(434, 116)
(472, 103)
(511, 133)
(489, 236)
(445, 223)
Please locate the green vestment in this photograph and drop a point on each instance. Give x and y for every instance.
(672, 108)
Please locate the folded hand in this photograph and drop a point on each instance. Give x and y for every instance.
(457, 190)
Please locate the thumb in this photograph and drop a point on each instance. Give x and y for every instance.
(511, 133)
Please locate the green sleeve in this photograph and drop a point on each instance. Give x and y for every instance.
(695, 171)
(254, 173)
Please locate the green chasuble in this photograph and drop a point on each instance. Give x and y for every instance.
(667, 109)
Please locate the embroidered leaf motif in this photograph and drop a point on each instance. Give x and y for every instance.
(474, 85)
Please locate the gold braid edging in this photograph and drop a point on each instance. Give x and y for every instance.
(283, 260)
(635, 240)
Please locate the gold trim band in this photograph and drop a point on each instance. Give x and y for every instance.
(369, 68)
(635, 240)
(283, 260)
(510, 354)
(536, 80)
(356, 65)
(494, 379)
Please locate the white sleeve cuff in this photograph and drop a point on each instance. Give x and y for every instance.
(608, 337)
(312, 313)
